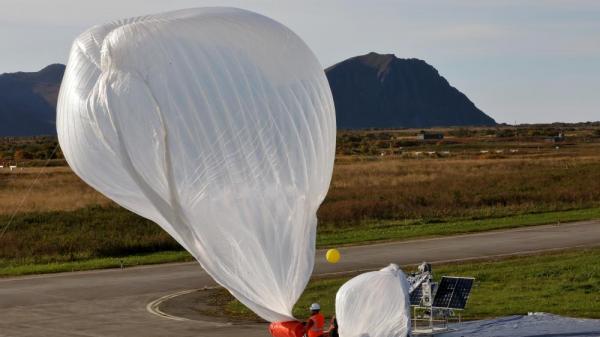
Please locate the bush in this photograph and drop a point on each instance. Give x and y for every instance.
(462, 133)
(505, 133)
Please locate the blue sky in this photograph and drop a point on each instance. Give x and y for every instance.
(519, 61)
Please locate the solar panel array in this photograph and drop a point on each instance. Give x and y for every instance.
(452, 292)
(415, 296)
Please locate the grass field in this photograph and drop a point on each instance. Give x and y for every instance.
(386, 186)
(45, 189)
(93, 238)
(404, 230)
(8, 269)
(565, 283)
(390, 188)
(438, 188)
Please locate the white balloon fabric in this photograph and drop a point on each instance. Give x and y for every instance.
(216, 123)
(374, 304)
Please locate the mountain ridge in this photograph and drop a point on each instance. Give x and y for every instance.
(369, 91)
(383, 91)
(28, 101)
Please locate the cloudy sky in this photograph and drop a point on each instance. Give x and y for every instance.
(518, 60)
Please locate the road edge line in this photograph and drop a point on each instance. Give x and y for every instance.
(153, 307)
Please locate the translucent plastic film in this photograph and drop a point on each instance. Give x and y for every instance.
(217, 124)
(374, 304)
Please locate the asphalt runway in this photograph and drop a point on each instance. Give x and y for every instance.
(114, 302)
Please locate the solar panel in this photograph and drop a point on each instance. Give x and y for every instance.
(453, 292)
(415, 296)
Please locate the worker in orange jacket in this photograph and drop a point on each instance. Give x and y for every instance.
(316, 322)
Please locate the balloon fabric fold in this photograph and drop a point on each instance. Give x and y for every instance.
(217, 124)
(374, 304)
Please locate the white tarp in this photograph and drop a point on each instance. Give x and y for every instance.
(532, 325)
(217, 124)
(374, 304)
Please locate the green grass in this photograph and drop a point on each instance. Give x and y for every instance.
(8, 269)
(411, 229)
(565, 283)
(93, 238)
(84, 234)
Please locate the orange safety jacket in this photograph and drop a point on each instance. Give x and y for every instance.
(318, 323)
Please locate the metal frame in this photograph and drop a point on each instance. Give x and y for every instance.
(438, 317)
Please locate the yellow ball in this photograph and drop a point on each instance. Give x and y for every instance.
(333, 256)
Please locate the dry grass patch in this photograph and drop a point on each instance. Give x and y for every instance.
(397, 188)
(56, 189)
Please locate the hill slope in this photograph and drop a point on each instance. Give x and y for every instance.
(28, 101)
(382, 91)
(370, 91)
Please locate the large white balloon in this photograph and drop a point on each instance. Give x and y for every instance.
(216, 123)
(374, 304)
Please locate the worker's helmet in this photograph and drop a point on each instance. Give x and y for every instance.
(315, 307)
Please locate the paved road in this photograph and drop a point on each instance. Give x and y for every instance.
(113, 302)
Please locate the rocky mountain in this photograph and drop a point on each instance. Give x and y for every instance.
(28, 101)
(383, 91)
(370, 91)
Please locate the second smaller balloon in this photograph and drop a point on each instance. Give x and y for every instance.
(333, 256)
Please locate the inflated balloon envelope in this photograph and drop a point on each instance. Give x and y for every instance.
(374, 304)
(217, 124)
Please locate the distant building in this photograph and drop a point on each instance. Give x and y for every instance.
(423, 135)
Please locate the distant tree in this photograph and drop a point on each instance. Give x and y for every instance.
(382, 144)
(462, 133)
(489, 132)
(504, 133)
(21, 155)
